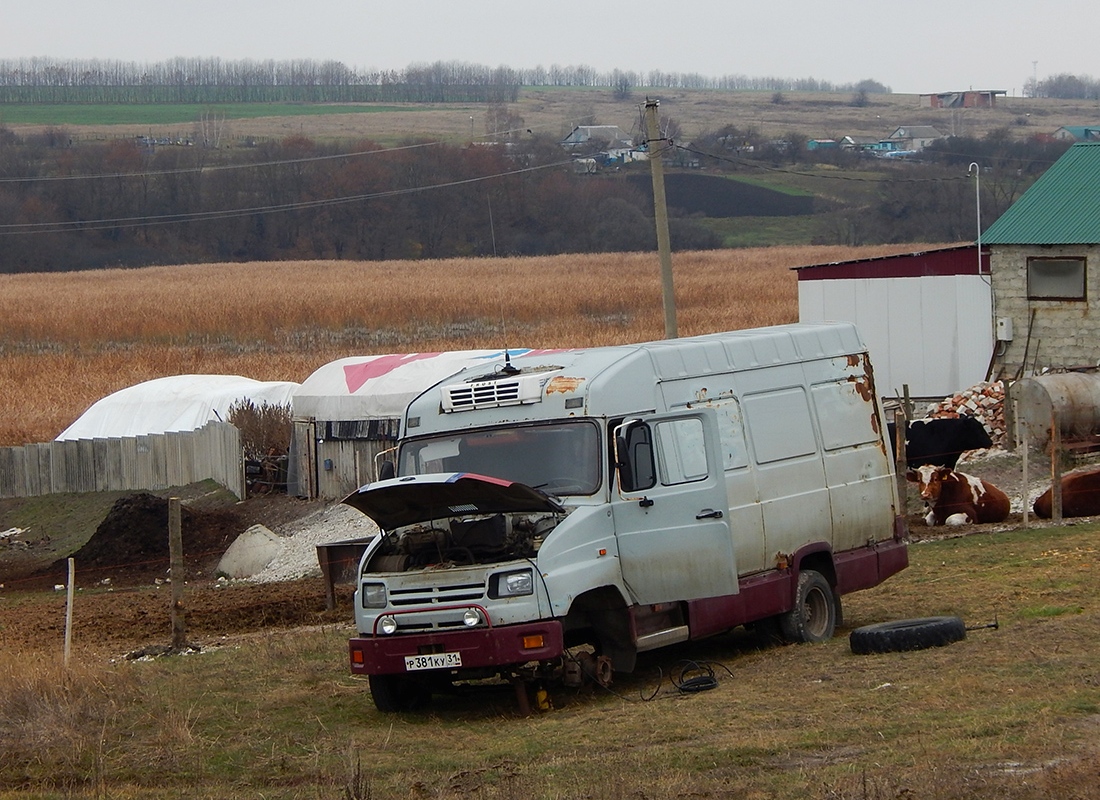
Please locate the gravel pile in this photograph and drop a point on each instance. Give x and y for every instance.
(297, 557)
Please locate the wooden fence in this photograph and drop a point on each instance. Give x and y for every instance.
(152, 462)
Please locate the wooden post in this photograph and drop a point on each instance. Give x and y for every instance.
(1022, 442)
(900, 464)
(69, 611)
(1055, 468)
(176, 572)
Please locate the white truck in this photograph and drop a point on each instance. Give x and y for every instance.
(553, 515)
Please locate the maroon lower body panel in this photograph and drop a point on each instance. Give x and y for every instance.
(762, 596)
(869, 566)
(480, 647)
(758, 597)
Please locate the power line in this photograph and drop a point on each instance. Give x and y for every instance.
(13, 229)
(250, 165)
(216, 167)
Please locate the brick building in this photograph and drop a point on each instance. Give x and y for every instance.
(1044, 256)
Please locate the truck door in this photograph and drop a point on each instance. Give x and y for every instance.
(670, 509)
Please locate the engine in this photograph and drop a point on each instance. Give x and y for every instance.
(462, 541)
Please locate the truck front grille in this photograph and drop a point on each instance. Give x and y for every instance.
(437, 595)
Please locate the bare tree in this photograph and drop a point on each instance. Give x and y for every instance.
(502, 123)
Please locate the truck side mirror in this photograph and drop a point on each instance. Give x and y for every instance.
(386, 470)
(634, 451)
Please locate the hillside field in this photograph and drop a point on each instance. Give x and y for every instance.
(555, 111)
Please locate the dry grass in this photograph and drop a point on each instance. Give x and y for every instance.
(50, 714)
(68, 339)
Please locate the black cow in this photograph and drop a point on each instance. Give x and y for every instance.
(940, 441)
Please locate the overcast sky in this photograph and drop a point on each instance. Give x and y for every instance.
(930, 46)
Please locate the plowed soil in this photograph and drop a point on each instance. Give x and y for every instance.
(120, 620)
(123, 591)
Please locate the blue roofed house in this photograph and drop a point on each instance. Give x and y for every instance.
(1078, 133)
(1044, 257)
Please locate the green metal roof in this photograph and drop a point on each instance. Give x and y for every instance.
(1062, 207)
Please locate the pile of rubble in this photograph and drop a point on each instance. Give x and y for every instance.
(984, 401)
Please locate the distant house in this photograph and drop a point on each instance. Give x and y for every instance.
(872, 144)
(971, 98)
(914, 137)
(1044, 255)
(585, 136)
(607, 142)
(822, 144)
(1078, 133)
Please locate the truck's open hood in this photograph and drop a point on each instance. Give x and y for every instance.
(419, 498)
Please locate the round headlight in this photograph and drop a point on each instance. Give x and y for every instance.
(472, 618)
(388, 625)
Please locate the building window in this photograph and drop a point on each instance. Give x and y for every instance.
(1056, 278)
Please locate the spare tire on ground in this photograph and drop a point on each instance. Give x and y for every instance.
(906, 634)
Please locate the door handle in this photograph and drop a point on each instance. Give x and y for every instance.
(709, 513)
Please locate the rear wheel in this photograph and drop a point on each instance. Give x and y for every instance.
(394, 693)
(814, 616)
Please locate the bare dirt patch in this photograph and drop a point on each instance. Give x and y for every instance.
(123, 593)
(119, 619)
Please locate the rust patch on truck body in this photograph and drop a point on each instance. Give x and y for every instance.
(563, 384)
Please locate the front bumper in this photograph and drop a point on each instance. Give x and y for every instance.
(482, 647)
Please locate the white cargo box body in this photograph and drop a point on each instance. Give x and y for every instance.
(697, 479)
(777, 383)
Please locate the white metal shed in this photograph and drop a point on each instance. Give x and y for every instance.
(926, 317)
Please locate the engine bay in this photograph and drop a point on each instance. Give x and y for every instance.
(462, 541)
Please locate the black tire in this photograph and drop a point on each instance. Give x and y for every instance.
(814, 616)
(906, 634)
(396, 693)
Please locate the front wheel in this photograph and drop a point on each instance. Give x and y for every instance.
(814, 616)
(395, 693)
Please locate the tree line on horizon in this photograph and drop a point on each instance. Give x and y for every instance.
(48, 80)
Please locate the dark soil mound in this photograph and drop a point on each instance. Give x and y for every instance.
(134, 536)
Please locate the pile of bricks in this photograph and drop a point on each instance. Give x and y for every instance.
(984, 401)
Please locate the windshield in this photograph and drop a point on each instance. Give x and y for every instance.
(560, 458)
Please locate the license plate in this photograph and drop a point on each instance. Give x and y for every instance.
(433, 661)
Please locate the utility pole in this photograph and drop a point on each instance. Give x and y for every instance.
(655, 147)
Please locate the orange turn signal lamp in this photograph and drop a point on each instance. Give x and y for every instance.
(534, 641)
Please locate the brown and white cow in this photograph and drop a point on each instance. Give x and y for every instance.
(1080, 496)
(955, 498)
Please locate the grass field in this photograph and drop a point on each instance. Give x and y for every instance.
(68, 339)
(555, 111)
(1011, 712)
(170, 113)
